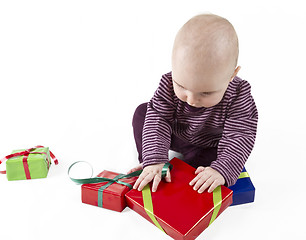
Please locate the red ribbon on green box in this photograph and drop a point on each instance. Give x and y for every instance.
(25, 155)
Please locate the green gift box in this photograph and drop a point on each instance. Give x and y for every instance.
(28, 163)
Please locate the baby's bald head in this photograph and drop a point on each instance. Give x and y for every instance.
(207, 39)
(204, 60)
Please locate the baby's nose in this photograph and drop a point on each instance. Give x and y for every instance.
(192, 100)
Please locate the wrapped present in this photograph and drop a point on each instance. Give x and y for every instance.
(176, 208)
(28, 163)
(243, 189)
(107, 190)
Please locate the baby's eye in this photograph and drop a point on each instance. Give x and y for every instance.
(205, 93)
(180, 86)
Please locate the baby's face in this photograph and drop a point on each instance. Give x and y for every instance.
(202, 85)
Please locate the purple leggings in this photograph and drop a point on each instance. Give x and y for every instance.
(193, 155)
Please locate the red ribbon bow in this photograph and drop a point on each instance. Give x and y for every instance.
(25, 155)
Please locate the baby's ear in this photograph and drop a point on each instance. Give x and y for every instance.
(235, 72)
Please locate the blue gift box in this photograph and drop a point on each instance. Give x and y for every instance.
(243, 189)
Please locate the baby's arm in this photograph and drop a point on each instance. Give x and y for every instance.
(156, 136)
(238, 135)
(149, 173)
(207, 177)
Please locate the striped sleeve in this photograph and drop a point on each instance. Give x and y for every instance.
(238, 136)
(157, 130)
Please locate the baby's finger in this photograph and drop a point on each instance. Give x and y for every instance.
(131, 170)
(140, 179)
(145, 181)
(156, 181)
(213, 186)
(139, 167)
(200, 175)
(168, 176)
(205, 185)
(200, 182)
(199, 169)
(193, 181)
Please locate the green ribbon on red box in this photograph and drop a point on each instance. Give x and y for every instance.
(25, 155)
(110, 181)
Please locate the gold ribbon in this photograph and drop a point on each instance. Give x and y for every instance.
(148, 205)
(243, 175)
(217, 199)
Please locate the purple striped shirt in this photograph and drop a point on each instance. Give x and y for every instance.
(230, 125)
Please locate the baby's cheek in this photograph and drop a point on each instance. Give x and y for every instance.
(181, 95)
(218, 99)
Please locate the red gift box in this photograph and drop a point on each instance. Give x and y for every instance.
(181, 212)
(112, 197)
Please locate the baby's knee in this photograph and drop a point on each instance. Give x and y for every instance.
(141, 110)
(140, 113)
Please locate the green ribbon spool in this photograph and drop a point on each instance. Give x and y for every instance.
(103, 179)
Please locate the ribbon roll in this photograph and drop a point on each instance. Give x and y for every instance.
(110, 181)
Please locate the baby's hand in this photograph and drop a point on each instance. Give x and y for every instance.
(149, 173)
(138, 167)
(206, 177)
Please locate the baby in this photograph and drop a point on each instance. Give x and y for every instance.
(200, 109)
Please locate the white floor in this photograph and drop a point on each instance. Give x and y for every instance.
(71, 75)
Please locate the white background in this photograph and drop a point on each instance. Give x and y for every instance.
(71, 75)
